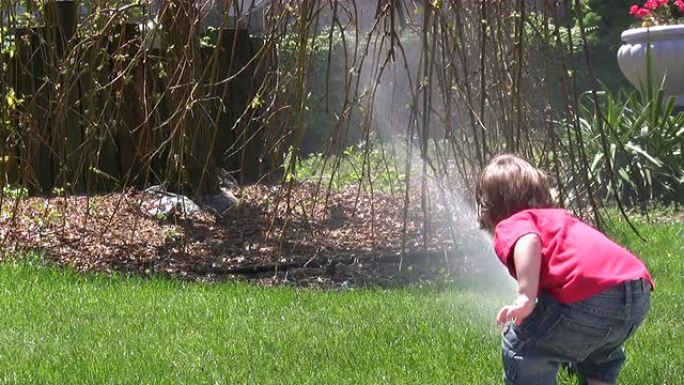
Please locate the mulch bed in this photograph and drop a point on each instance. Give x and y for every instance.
(349, 237)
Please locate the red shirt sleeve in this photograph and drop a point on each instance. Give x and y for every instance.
(507, 234)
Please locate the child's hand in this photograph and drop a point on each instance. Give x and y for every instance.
(517, 312)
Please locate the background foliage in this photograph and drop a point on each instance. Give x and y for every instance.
(449, 84)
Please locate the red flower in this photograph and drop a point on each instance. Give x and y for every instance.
(640, 13)
(680, 5)
(634, 10)
(652, 4)
(643, 12)
(655, 4)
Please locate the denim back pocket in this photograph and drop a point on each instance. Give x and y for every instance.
(513, 343)
(573, 339)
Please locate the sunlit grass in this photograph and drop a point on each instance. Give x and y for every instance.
(57, 327)
(656, 354)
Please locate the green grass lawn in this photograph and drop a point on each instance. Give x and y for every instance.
(57, 327)
(656, 354)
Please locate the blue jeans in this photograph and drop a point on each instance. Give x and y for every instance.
(586, 335)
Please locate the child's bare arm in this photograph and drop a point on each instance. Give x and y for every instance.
(527, 259)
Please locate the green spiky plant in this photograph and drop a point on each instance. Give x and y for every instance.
(645, 138)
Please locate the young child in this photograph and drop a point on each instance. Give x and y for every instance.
(580, 295)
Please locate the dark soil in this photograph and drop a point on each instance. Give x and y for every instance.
(348, 238)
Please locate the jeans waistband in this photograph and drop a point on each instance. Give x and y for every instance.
(638, 285)
(634, 286)
(617, 302)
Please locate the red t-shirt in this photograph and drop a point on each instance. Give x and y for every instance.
(578, 261)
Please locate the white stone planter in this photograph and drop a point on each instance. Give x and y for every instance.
(667, 58)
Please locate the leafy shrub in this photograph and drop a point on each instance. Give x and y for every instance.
(14, 192)
(541, 29)
(644, 139)
(367, 161)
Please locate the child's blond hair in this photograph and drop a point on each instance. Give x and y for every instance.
(510, 184)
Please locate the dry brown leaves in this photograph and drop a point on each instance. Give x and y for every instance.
(115, 232)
